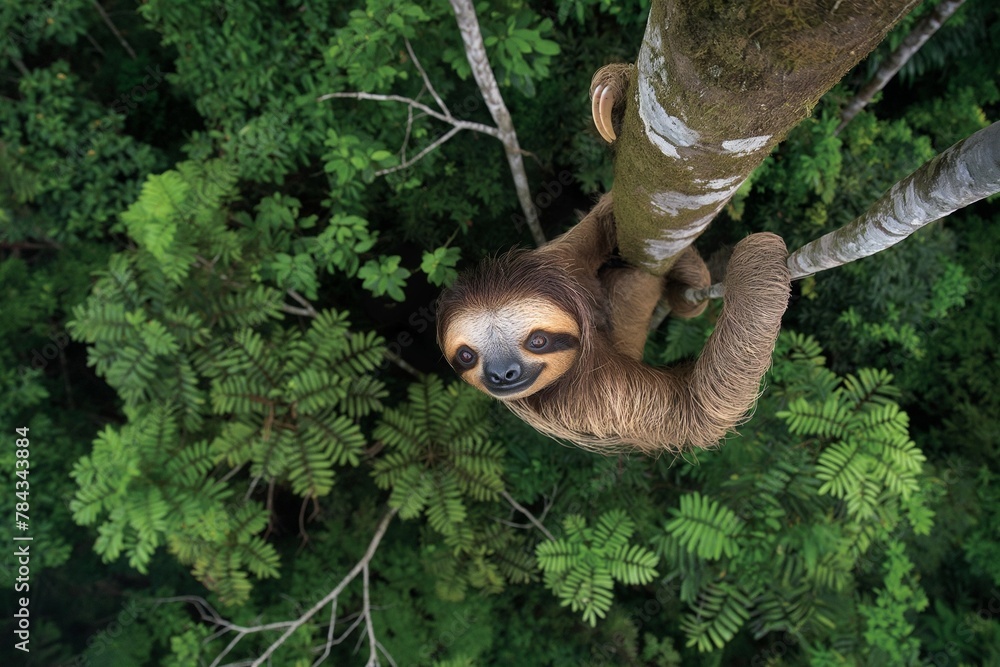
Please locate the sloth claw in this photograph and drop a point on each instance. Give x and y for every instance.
(608, 88)
(601, 103)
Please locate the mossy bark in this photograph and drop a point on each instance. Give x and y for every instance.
(718, 84)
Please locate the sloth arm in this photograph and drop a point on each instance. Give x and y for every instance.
(629, 294)
(725, 381)
(585, 247)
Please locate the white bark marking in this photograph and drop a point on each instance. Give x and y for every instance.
(666, 132)
(719, 183)
(745, 146)
(672, 203)
(674, 241)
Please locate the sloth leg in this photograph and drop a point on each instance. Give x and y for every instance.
(688, 271)
(632, 294)
(725, 381)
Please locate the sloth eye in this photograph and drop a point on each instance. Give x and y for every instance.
(537, 341)
(465, 356)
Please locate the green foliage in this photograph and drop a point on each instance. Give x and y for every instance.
(887, 629)
(784, 529)
(385, 276)
(439, 454)
(208, 229)
(705, 528)
(582, 567)
(86, 169)
(155, 491)
(440, 265)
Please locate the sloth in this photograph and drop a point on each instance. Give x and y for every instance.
(557, 334)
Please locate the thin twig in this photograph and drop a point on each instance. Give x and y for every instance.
(406, 135)
(329, 634)
(427, 81)
(461, 124)
(292, 310)
(531, 517)
(302, 300)
(402, 363)
(387, 655)
(406, 163)
(332, 595)
(367, 610)
(110, 24)
(208, 613)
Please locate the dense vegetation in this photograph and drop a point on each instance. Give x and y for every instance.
(202, 267)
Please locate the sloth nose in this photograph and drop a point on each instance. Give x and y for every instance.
(503, 372)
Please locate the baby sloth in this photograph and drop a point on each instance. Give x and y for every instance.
(557, 334)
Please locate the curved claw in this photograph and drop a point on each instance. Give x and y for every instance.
(600, 109)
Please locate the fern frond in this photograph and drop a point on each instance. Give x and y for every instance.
(705, 527)
(870, 386)
(721, 611)
(841, 467)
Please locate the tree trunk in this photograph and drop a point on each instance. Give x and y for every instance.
(916, 39)
(717, 86)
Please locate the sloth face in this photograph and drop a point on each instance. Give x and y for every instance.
(515, 350)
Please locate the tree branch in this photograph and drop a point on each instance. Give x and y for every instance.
(367, 609)
(960, 176)
(114, 29)
(531, 517)
(909, 46)
(475, 52)
(427, 81)
(678, 160)
(963, 174)
(208, 613)
(460, 124)
(419, 156)
(332, 595)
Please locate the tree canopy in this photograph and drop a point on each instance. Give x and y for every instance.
(223, 226)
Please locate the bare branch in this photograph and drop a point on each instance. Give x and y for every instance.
(909, 46)
(209, 614)
(963, 174)
(460, 124)
(475, 52)
(366, 609)
(114, 29)
(409, 130)
(332, 595)
(329, 635)
(402, 363)
(531, 517)
(308, 307)
(427, 81)
(419, 156)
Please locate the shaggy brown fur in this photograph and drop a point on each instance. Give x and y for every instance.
(604, 398)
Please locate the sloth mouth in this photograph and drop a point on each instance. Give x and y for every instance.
(508, 390)
(516, 387)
